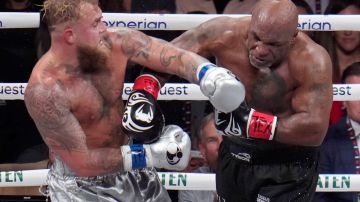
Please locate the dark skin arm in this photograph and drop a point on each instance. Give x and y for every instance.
(311, 103)
(48, 106)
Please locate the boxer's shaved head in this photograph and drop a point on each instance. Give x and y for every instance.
(276, 15)
(272, 31)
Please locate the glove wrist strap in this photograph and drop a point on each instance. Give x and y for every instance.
(202, 69)
(138, 159)
(149, 83)
(261, 126)
(135, 157)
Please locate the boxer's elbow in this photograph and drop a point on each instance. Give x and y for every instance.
(316, 131)
(87, 166)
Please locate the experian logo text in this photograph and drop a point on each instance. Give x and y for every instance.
(144, 24)
(309, 25)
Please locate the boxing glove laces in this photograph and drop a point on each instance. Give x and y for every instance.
(143, 119)
(246, 122)
(171, 151)
(223, 89)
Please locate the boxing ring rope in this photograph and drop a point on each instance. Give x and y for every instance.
(182, 181)
(177, 91)
(182, 21)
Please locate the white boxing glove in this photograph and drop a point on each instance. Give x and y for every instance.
(171, 151)
(223, 89)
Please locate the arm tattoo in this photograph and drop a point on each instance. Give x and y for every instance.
(57, 126)
(189, 64)
(166, 57)
(135, 44)
(46, 107)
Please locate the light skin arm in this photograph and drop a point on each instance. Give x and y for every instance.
(204, 38)
(61, 131)
(159, 55)
(311, 103)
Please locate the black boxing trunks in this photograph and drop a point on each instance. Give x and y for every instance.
(265, 171)
(134, 186)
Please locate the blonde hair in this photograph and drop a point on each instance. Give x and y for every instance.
(60, 11)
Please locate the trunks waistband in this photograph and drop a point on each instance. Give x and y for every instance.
(268, 152)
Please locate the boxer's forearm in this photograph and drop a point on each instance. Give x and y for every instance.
(302, 129)
(94, 162)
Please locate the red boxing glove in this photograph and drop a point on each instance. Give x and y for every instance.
(261, 126)
(148, 83)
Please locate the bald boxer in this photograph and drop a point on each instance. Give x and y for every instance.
(74, 97)
(271, 142)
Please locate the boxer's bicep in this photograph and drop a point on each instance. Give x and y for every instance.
(134, 44)
(50, 110)
(58, 127)
(311, 103)
(314, 94)
(202, 39)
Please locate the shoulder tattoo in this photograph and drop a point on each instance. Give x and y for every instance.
(135, 44)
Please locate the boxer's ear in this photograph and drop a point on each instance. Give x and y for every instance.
(296, 33)
(292, 42)
(68, 35)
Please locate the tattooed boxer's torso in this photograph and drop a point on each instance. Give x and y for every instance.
(93, 97)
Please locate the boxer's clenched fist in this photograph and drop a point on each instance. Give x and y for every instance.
(143, 120)
(171, 151)
(223, 89)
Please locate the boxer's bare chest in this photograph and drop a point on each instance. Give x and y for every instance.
(97, 105)
(268, 91)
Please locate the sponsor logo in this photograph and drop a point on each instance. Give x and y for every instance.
(144, 24)
(166, 90)
(173, 153)
(135, 125)
(242, 156)
(174, 179)
(12, 89)
(145, 117)
(334, 182)
(316, 25)
(221, 199)
(261, 198)
(11, 176)
(226, 124)
(342, 90)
